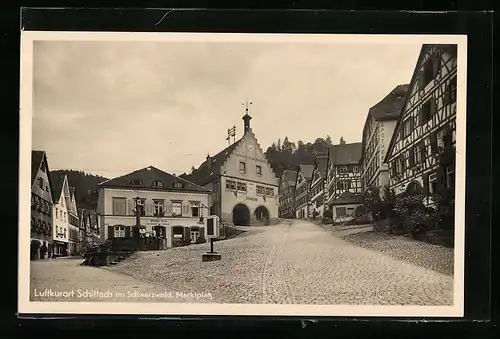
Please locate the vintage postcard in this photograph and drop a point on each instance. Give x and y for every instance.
(242, 174)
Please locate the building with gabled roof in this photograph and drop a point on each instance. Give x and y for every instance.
(427, 125)
(303, 190)
(287, 194)
(41, 206)
(73, 220)
(243, 184)
(167, 203)
(318, 183)
(344, 172)
(62, 205)
(377, 132)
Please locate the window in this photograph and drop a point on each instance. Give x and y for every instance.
(136, 182)
(355, 169)
(406, 128)
(176, 208)
(341, 211)
(158, 207)
(450, 176)
(119, 206)
(178, 185)
(40, 182)
(57, 213)
(425, 112)
(343, 169)
(350, 211)
(261, 190)
(119, 232)
(65, 216)
(231, 185)
(195, 209)
(453, 90)
(433, 183)
(243, 167)
(157, 183)
(270, 192)
(398, 166)
(242, 186)
(417, 155)
(258, 169)
(430, 71)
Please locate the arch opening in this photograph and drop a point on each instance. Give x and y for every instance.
(241, 215)
(262, 215)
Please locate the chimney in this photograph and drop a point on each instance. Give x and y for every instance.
(209, 161)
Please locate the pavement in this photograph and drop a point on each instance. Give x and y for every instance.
(295, 262)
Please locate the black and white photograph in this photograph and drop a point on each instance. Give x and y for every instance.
(242, 174)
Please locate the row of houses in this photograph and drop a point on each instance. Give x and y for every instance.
(401, 139)
(58, 227)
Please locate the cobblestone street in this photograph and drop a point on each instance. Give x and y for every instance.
(294, 262)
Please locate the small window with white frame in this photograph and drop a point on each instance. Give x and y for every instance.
(433, 183)
(242, 186)
(343, 169)
(355, 169)
(450, 176)
(258, 170)
(243, 167)
(230, 184)
(261, 190)
(270, 191)
(119, 232)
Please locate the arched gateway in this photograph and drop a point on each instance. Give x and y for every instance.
(241, 215)
(262, 215)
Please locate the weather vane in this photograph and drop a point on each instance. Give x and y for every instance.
(247, 105)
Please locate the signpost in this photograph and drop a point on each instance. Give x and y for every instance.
(212, 231)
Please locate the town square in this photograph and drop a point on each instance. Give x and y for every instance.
(261, 180)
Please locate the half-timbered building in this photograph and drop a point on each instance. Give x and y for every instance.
(377, 132)
(427, 124)
(318, 184)
(287, 194)
(302, 191)
(344, 172)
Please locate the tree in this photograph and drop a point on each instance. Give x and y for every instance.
(372, 201)
(320, 145)
(278, 146)
(193, 169)
(342, 141)
(301, 147)
(328, 140)
(287, 146)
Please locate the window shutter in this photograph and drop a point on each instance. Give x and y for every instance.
(130, 206)
(149, 208)
(111, 232)
(127, 231)
(168, 208)
(425, 178)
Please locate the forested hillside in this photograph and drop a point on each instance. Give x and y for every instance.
(85, 187)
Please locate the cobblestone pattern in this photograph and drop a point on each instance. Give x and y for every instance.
(296, 263)
(434, 257)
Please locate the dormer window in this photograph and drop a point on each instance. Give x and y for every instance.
(136, 182)
(178, 185)
(40, 183)
(157, 183)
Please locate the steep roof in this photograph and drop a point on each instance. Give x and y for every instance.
(211, 167)
(389, 108)
(290, 176)
(57, 182)
(452, 49)
(147, 176)
(71, 191)
(307, 171)
(348, 198)
(346, 154)
(322, 164)
(36, 160)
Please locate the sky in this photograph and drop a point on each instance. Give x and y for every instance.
(109, 108)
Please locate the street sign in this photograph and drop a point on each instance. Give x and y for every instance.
(212, 227)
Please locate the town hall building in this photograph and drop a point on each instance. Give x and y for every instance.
(243, 184)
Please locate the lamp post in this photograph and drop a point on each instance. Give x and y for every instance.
(138, 210)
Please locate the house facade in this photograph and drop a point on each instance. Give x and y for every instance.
(287, 194)
(243, 184)
(168, 203)
(344, 170)
(302, 191)
(62, 202)
(74, 222)
(318, 184)
(427, 125)
(347, 206)
(377, 132)
(41, 206)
